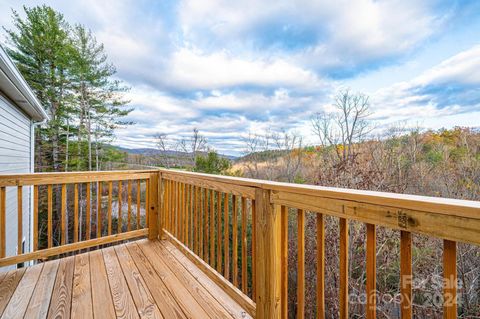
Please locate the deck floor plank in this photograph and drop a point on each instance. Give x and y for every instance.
(19, 302)
(122, 299)
(61, 301)
(181, 294)
(8, 286)
(82, 289)
(140, 279)
(101, 296)
(206, 301)
(40, 301)
(164, 299)
(146, 306)
(234, 309)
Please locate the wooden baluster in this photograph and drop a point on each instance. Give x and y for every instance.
(153, 205)
(254, 248)
(35, 217)
(177, 207)
(88, 212)
(99, 209)
(244, 245)
(219, 232)
(192, 217)
(184, 215)
(49, 216)
(75, 213)
(235, 241)
(63, 218)
(109, 208)
(205, 226)
(371, 271)
(212, 228)
(201, 215)
(301, 264)
(119, 219)
(406, 274)
(187, 215)
(343, 268)
(139, 203)
(268, 258)
(450, 279)
(284, 260)
(195, 219)
(320, 267)
(147, 199)
(226, 239)
(3, 213)
(19, 219)
(129, 205)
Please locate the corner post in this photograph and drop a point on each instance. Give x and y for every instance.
(268, 256)
(154, 204)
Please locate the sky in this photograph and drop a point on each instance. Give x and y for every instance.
(234, 68)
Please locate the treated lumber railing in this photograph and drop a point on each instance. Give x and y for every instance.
(207, 214)
(106, 207)
(236, 230)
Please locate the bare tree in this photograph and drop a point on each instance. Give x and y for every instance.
(163, 146)
(347, 125)
(193, 145)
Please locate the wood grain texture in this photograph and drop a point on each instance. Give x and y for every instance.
(40, 301)
(63, 215)
(164, 299)
(320, 225)
(49, 216)
(101, 296)
(88, 212)
(201, 295)
(179, 292)
(122, 300)
(19, 219)
(82, 290)
(371, 271)
(406, 274)
(8, 286)
(284, 262)
(226, 237)
(99, 209)
(17, 306)
(75, 212)
(61, 300)
(268, 258)
(35, 217)
(141, 295)
(232, 307)
(449, 279)
(301, 263)
(235, 241)
(343, 295)
(244, 246)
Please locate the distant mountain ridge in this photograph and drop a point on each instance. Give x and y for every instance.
(152, 151)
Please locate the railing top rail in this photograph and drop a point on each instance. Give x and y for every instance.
(71, 177)
(439, 205)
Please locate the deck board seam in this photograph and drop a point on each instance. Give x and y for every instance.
(51, 294)
(11, 295)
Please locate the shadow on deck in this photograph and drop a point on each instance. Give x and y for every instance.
(147, 279)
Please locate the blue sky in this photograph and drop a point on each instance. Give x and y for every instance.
(232, 68)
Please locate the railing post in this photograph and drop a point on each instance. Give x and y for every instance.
(268, 256)
(154, 204)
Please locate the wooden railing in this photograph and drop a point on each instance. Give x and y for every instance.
(209, 217)
(236, 230)
(76, 210)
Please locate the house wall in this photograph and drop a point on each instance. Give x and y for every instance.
(15, 157)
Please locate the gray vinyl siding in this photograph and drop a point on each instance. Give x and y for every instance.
(15, 157)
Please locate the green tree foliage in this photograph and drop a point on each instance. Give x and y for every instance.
(212, 163)
(70, 74)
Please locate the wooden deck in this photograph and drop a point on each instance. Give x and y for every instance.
(141, 279)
